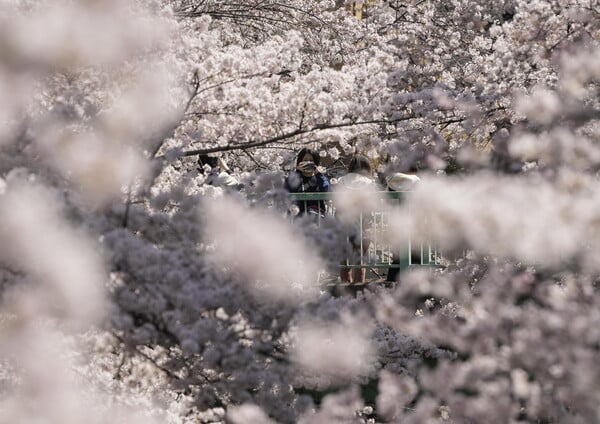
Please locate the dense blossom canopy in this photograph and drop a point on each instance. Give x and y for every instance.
(133, 291)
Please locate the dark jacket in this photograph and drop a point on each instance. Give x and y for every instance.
(298, 183)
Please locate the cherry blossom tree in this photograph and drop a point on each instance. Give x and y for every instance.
(133, 291)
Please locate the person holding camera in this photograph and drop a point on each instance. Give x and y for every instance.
(307, 178)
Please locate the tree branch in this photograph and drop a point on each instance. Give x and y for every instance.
(285, 136)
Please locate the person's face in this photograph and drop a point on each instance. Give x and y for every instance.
(307, 158)
(307, 171)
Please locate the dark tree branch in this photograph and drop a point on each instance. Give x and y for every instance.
(286, 136)
(253, 159)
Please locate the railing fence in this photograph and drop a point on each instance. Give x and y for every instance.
(372, 228)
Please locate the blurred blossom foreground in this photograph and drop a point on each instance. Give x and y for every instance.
(154, 269)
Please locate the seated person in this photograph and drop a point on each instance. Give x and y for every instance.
(400, 181)
(219, 174)
(359, 177)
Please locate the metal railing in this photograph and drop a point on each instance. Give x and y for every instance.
(371, 229)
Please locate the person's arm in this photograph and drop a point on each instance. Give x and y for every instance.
(221, 163)
(323, 182)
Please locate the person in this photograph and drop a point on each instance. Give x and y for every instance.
(359, 173)
(359, 177)
(400, 181)
(307, 178)
(219, 174)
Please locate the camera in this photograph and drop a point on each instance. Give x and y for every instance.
(307, 166)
